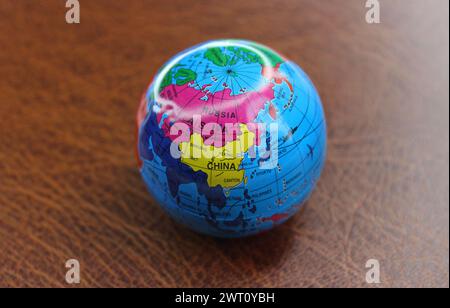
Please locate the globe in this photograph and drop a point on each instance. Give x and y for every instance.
(232, 138)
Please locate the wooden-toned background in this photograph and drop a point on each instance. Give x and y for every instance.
(70, 187)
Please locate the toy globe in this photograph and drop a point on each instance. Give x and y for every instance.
(232, 138)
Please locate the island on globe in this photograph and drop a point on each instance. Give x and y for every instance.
(232, 138)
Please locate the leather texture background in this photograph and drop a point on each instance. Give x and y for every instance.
(69, 183)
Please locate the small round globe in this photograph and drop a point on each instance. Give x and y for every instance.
(232, 138)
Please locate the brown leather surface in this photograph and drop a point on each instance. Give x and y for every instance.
(70, 188)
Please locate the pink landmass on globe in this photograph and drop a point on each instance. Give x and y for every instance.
(180, 103)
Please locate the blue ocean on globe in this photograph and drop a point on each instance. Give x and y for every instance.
(232, 138)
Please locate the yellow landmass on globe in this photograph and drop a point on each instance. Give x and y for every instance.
(221, 164)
